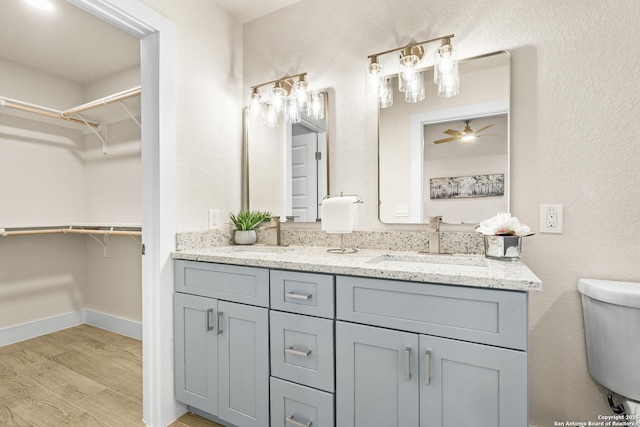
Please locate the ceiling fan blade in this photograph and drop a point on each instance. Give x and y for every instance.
(484, 128)
(453, 132)
(440, 141)
(489, 134)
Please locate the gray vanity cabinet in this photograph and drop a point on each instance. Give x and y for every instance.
(222, 347)
(408, 377)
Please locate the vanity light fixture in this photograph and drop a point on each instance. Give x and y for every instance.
(411, 76)
(288, 98)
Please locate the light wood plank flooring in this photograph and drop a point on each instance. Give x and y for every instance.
(82, 376)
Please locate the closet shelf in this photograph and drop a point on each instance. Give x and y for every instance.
(73, 114)
(104, 230)
(66, 114)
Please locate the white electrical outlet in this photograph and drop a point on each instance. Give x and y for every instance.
(551, 217)
(214, 219)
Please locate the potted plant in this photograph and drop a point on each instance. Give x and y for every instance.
(245, 223)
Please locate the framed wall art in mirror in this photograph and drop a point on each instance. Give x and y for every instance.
(286, 170)
(439, 139)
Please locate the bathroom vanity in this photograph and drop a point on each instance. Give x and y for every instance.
(296, 336)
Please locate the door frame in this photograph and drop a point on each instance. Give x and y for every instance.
(157, 45)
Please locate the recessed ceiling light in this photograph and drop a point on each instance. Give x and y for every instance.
(41, 4)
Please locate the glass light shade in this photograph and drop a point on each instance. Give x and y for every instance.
(414, 91)
(301, 93)
(446, 62)
(292, 110)
(408, 71)
(373, 77)
(271, 116)
(449, 84)
(385, 93)
(255, 108)
(278, 96)
(316, 106)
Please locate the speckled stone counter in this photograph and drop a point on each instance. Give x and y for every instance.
(463, 270)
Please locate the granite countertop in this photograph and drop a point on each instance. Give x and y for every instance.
(464, 270)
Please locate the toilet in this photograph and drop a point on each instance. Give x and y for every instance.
(611, 311)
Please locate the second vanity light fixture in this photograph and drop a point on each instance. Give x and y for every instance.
(411, 76)
(289, 99)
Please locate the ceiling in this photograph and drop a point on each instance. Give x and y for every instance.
(74, 45)
(247, 10)
(66, 42)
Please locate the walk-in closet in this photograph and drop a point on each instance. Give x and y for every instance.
(70, 173)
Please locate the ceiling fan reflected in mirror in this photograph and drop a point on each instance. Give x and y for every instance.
(467, 135)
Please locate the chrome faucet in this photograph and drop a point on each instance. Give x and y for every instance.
(274, 236)
(434, 234)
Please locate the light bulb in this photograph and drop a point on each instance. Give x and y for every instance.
(373, 75)
(316, 106)
(255, 108)
(301, 93)
(278, 95)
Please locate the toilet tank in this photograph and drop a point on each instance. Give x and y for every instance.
(611, 313)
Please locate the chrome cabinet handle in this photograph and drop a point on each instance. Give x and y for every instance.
(293, 422)
(298, 296)
(218, 330)
(427, 367)
(207, 322)
(407, 364)
(302, 353)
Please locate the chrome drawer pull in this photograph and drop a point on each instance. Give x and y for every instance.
(218, 330)
(293, 422)
(207, 323)
(407, 364)
(427, 367)
(290, 350)
(298, 296)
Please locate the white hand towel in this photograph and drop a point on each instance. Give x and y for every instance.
(339, 214)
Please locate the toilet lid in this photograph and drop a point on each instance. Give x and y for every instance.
(620, 293)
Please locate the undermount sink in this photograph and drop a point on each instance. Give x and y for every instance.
(420, 260)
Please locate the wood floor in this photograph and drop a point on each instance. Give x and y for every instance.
(82, 376)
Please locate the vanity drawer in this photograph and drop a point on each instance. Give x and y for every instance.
(248, 285)
(293, 405)
(304, 293)
(302, 349)
(482, 315)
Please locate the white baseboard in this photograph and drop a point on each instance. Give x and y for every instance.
(118, 325)
(36, 328)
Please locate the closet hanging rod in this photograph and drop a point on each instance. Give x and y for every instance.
(69, 231)
(120, 96)
(44, 111)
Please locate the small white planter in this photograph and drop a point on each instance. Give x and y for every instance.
(245, 237)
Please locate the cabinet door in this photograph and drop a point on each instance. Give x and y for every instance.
(196, 364)
(244, 364)
(471, 384)
(376, 377)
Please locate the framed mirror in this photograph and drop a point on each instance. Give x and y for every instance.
(448, 156)
(286, 170)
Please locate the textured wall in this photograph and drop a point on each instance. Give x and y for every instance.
(575, 107)
(208, 109)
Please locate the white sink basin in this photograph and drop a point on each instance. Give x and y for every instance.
(422, 260)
